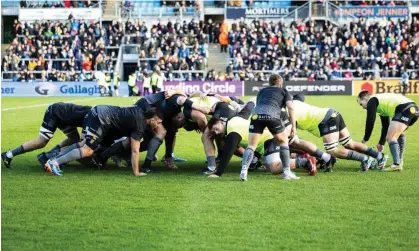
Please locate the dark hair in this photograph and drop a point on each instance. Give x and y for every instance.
(363, 94)
(299, 97)
(151, 113)
(273, 79)
(179, 120)
(212, 122)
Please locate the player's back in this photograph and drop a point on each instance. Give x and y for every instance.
(70, 114)
(207, 102)
(308, 117)
(120, 117)
(271, 100)
(387, 103)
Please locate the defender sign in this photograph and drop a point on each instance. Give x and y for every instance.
(305, 87)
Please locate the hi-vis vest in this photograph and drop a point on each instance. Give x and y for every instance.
(107, 81)
(160, 82)
(116, 80)
(387, 103)
(146, 82)
(101, 81)
(135, 90)
(154, 79)
(131, 80)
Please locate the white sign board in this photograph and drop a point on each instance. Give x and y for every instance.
(59, 14)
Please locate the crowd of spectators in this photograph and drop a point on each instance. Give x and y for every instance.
(317, 51)
(172, 46)
(64, 51)
(58, 3)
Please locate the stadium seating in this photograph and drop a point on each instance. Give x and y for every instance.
(302, 50)
(83, 47)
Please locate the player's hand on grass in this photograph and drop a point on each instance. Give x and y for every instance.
(380, 148)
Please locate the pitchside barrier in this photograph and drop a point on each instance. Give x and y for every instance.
(225, 88)
(61, 89)
(385, 86)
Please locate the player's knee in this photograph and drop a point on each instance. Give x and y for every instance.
(42, 141)
(331, 147)
(161, 132)
(275, 168)
(347, 142)
(390, 138)
(87, 151)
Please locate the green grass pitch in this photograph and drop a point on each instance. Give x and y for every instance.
(184, 210)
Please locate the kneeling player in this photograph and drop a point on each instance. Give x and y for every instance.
(66, 117)
(130, 121)
(273, 162)
(404, 113)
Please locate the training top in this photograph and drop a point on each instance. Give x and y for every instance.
(69, 114)
(387, 103)
(240, 126)
(129, 120)
(309, 117)
(271, 100)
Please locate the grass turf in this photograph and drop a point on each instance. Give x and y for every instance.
(184, 210)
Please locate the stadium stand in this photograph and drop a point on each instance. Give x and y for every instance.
(58, 4)
(171, 46)
(67, 49)
(322, 50)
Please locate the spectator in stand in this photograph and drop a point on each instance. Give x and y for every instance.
(223, 38)
(310, 49)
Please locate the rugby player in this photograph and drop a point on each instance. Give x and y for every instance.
(267, 114)
(129, 121)
(403, 113)
(64, 116)
(236, 131)
(329, 125)
(173, 119)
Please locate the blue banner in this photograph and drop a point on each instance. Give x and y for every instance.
(371, 11)
(60, 89)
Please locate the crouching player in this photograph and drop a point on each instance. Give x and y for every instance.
(130, 121)
(404, 113)
(66, 117)
(330, 126)
(236, 131)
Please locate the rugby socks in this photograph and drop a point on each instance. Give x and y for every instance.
(322, 155)
(301, 162)
(51, 154)
(115, 149)
(247, 158)
(74, 154)
(373, 153)
(352, 155)
(153, 146)
(402, 144)
(55, 148)
(284, 154)
(211, 163)
(395, 152)
(69, 149)
(18, 150)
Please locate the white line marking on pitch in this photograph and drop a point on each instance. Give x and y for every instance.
(39, 105)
